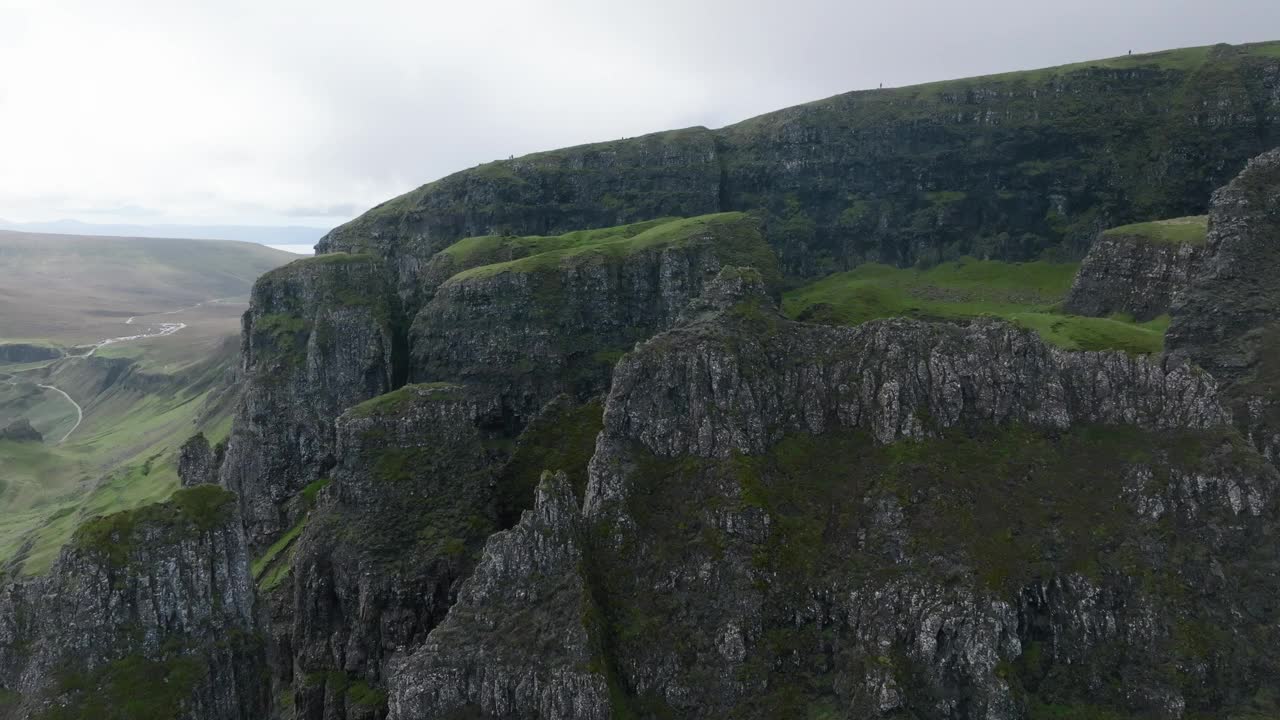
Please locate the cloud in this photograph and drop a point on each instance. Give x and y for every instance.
(253, 112)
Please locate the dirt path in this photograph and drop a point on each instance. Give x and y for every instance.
(163, 329)
(79, 410)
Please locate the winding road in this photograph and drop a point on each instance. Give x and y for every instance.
(163, 330)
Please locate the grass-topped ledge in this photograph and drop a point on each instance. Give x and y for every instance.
(397, 401)
(1191, 230)
(734, 233)
(187, 513)
(1026, 294)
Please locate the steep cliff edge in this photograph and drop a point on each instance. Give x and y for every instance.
(321, 335)
(1226, 322)
(997, 167)
(790, 520)
(1138, 270)
(146, 614)
(555, 321)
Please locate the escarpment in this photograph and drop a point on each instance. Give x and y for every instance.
(147, 613)
(998, 167)
(1137, 270)
(555, 322)
(320, 336)
(533, 441)
(396, 526)
(751, 548)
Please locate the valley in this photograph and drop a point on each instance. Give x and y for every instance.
(114, 359)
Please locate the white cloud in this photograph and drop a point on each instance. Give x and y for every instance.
(260, 112)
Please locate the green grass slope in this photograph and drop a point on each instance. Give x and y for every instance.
(1023, 293)
(619, 242)
(1177, 231)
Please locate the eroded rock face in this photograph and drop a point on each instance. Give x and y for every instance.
(153, 607)
(558, 327)
(891, 176)
(518, 643)
(197, 462)
(1226, 321)
(318, 338)
(1132, 275)
(377, 562)
(783, 520)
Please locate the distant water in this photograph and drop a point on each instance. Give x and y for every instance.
(295, 249)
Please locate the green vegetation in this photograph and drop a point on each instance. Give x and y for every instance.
(738, 242)
(999, 508)
(1023, 293)
(563, 439)
(133, 688)
(188, 512)
(487, 249)
(285, 542)
(1177, 231)
(397, 401)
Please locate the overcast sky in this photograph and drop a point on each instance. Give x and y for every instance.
(284, 112)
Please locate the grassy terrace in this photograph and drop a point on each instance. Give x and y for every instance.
(1026, 294)
(1178, 231)
(615, 242)
(490, 248)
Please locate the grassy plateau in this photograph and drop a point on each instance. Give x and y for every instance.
(1026, 294)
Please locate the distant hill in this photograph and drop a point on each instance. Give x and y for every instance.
(75, 289)
(262, 234)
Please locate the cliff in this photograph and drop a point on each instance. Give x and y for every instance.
(1137, 270)
(146, 614)
(1001, 167)
(1226, 320)
(784, 520)
(320, 336)
(555, 321)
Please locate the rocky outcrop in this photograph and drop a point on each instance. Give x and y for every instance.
(1226, 320)
(898, 519)
(21, 431)
(747, 380)
(197, 462)
(147, 613)
(378, 557)
(319, 337)
(556, 322)
(1133, 274)
(518, 643)
(1000, 167)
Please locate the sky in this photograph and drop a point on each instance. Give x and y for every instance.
(276, 112)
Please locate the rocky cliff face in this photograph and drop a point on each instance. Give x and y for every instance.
(1134, 275)
(999, 167)
(785, 520)
(1226, 320)
(148, 613)
(556, 322)
(319, 337)
(376, 561)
